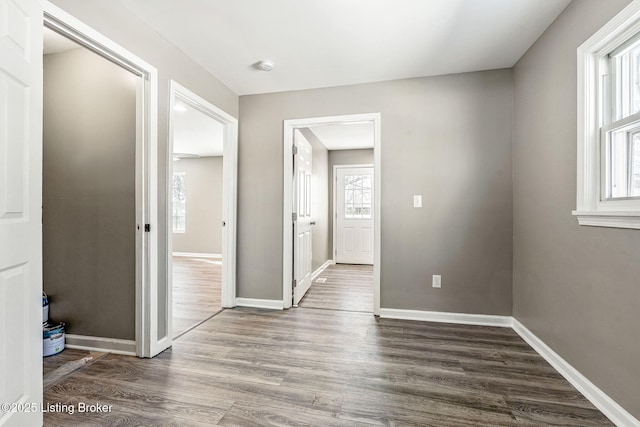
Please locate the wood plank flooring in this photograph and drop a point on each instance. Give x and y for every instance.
(346, 287)
(305, 366)
(197, 290)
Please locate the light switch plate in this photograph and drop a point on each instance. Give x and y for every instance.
(417, 200)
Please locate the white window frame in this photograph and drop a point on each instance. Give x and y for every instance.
(593, 82)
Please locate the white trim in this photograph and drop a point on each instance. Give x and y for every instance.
(590, 57)
(271, 304)
(320, 269)
(287, 207)
(104, 345)
(445, 317)
(229, 194)
(146, 165)
(196, 255)
(616, 413)
(334, 214)
(607, 219)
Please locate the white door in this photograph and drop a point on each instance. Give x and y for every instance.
(302, 209)
(353, 188)
(20, 212)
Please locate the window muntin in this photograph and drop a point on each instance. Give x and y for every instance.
(357, 197)
(178, 199)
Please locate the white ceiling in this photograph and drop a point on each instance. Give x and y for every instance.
(345, 136)
(56, 43)
(196, 133)
(323, 43)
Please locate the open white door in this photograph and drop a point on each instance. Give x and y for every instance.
(20, 212)
(353, 188)
(302, 210)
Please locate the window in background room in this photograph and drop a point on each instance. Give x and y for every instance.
(179, 203)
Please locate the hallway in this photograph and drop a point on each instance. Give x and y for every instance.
(342, 287)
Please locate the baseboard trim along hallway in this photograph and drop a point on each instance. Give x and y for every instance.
(445, 317)
(320, 269)
(272, 304)
(610, 408)
(616, 413)
(99, 344)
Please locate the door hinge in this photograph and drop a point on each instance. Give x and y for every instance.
(294, 216)
(294, 149)
(147, 228)
(294, 283)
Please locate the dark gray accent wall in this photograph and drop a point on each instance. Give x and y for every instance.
(575, 287)
(447, 138)
(344, 157)
(320, 237)
(115, 21)
(203, 229)
(89, 221)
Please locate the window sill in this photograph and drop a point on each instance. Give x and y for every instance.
(608, 219)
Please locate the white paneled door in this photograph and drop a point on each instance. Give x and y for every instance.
(302, 210)
(20, 212)
(353, 187)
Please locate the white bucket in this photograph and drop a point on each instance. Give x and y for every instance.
(52, 339)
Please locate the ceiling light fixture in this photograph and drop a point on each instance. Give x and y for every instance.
(265, 65)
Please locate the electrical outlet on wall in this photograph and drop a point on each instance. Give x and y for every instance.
(436, 281)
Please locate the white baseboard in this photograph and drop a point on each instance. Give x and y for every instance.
(612, 410)
(616, 413)
(105, 345)
(321, 269)
(444, 317)
(197, 255)
(272, 304)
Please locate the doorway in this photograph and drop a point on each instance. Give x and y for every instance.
(353, 214)
(201, 206)
(295, 187)
(146, 342)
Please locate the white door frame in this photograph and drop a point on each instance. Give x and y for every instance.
(146, 342)
(334, 214)
(229, 194)
(287, 208)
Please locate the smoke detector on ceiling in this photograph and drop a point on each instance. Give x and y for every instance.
(265, 65)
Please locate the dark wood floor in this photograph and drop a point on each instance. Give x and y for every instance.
(306, 366)
(197, 287)
(342, 287)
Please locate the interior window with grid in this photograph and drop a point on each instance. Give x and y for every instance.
(179, 198)
(357, 195)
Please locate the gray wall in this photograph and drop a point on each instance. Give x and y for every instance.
(89, 194)
(575, 287)
(115, 21)
(203, 183)
(344, 157)
(320, 237)
(447, 138)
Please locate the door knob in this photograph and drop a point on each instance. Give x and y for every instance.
(312, 223)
